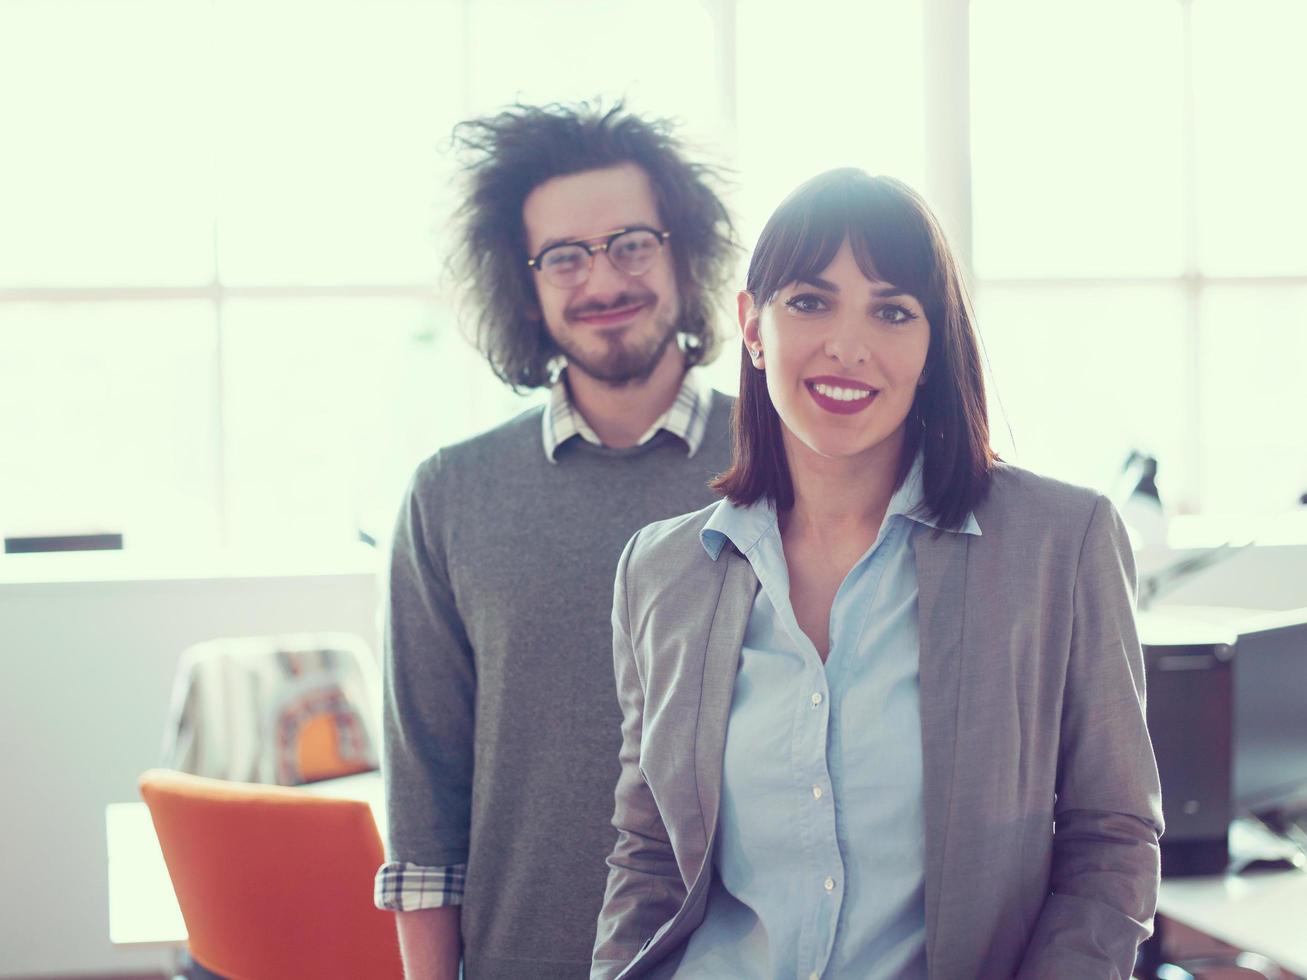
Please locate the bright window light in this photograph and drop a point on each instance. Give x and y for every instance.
(1250, 78)
(1076, 138)
(837, 85)
(107, 418)
(268, 185)
(106, 174)
(330, 403)
(665, 61)
(1253, 353)
(1083, 375)
(333, 120)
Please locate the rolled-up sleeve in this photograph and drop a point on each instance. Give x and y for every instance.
(401, 887)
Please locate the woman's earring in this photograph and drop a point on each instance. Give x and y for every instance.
(755, 353)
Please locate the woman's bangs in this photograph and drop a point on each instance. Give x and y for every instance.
(802, 250)
(890, 244)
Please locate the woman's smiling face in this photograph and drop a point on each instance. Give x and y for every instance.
(843, 355)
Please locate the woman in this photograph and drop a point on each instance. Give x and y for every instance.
(883, 705)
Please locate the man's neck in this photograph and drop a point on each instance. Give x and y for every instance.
(620, 415)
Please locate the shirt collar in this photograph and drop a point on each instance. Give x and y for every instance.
(687, 418)
(745, 526)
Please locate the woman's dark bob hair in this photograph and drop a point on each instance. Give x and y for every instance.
(508, 155)
(895, 238)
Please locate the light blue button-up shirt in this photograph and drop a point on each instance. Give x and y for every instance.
(820, 863)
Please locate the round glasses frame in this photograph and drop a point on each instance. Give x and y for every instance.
(632, 252)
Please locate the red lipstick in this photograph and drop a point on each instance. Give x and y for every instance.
(832, 402)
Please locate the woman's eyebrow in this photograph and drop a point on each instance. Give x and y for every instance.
(884, 292)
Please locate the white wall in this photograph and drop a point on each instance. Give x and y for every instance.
(87, 671)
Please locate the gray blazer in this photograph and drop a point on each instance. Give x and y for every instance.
(1032, 715)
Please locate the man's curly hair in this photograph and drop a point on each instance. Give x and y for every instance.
(507, 155)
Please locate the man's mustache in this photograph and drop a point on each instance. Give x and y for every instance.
(624, 300)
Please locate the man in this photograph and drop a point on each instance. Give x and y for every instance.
(588, 241)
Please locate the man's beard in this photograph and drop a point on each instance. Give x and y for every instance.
(622, 361)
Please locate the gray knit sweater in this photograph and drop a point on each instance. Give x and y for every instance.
(502, 726)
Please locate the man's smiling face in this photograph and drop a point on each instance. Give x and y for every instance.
(614, 327)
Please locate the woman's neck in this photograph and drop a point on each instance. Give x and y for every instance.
(839, 499)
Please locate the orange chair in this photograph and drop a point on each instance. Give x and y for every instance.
(273, 883)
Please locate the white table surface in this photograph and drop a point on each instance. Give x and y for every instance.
(142, 906)
(1261, 912)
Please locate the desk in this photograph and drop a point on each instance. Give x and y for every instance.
(1261, 912)
(142, 906)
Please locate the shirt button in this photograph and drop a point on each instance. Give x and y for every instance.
(816, 792)
(816, 698)
(829, 884)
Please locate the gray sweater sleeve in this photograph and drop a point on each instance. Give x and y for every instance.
(430, 687)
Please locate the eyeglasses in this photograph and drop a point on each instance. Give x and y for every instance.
(632, 252)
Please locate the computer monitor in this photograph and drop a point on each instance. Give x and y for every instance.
(1270, 714)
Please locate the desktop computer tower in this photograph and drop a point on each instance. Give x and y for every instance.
(1227, 712)
(1190, 681)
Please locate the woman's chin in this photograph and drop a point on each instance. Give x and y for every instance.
(837, 446)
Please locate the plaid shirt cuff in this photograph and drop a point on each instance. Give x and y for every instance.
(401, 887)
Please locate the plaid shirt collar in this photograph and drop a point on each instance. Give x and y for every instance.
(687, 419)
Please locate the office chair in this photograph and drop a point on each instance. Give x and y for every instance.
(273, 882)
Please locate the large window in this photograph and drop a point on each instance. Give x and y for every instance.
(1138, 206)
(222, 323)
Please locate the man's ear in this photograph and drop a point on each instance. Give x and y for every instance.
(750, 319)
